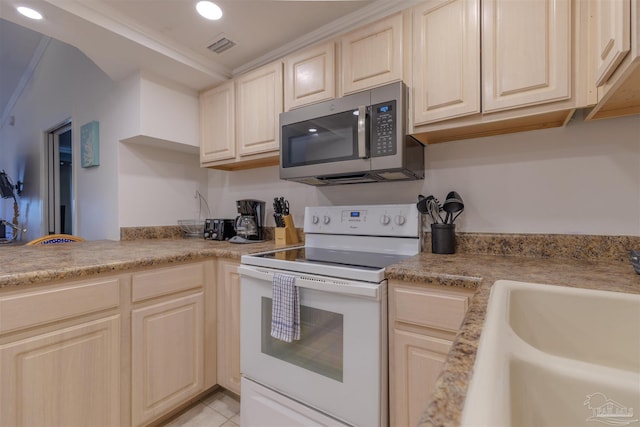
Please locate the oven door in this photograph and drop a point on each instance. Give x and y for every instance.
(339, 366)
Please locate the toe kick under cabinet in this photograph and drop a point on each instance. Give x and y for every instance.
(111, 350)
(423, 321)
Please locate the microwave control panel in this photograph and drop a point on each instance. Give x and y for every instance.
(384, 129)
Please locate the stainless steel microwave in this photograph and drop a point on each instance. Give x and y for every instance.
(353, 139)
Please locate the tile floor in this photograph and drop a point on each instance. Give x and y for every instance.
(219, 409)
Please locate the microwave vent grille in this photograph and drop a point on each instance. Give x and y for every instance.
(393, 176)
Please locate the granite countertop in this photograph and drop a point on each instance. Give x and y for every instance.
(23, 265)
(479, 272)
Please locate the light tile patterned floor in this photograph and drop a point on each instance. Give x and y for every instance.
(218, 409)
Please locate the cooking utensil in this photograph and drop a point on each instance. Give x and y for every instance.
(452, 205)
(422, 204)
(635, 260)
(434, 208)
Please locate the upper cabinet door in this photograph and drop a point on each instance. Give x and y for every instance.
(526, 47)
(372, 55)
(259, 103)
(611, 21)
(446, 60)
(310, 76)
(217, 123)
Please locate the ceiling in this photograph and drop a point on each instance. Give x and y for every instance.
(168, 38)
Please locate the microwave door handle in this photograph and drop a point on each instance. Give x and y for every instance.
(362, 132)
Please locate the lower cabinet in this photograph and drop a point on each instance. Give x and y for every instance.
(113, 350)
(167, 355)
(66, 377)
(423, 321)
(229, 325)
(168, 339)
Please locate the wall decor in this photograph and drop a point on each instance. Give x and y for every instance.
(90, 144)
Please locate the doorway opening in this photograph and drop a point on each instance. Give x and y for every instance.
(60, 206)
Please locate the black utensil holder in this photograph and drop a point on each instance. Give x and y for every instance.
(443, 238)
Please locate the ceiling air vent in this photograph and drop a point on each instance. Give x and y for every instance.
(221, 45)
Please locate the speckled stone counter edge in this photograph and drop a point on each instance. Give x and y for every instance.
(175, 232)
(570, 246)
(153, 232)
(578, 246)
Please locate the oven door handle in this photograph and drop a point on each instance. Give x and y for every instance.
(318, 283)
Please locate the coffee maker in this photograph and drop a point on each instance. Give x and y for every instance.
(249, 224)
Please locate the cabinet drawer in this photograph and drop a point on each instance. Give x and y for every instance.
(430, 308)
(164, 281)
(57, 303)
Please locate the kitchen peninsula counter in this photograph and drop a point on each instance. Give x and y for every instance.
(479, 272)
(24, 265)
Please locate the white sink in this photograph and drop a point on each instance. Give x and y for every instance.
(556, 356)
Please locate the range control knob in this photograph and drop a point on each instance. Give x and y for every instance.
(385, 220)
(400, 219)
(326, 219)
(315, 219)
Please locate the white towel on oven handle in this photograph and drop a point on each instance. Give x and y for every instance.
(285, 310)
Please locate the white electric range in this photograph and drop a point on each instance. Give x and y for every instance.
(336, 374)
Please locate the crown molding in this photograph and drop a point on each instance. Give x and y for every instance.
(368, 14)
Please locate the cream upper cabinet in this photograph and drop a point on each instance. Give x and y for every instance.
(488, 67)
(446, 69)
(259, 103)
(526, 48)
(229, 325)
(239, 120)
(615, 28)
(372, 55)
(217, 123)
(611, 36)
(310, 76)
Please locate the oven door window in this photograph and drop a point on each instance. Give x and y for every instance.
(319, 349)
(324, 140)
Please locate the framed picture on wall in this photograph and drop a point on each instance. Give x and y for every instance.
(90, 144)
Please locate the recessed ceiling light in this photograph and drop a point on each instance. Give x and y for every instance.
(29, 13)
(209, 10)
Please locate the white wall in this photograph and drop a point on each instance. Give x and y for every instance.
(158, 186)
(65, 85)
(160, 114)
(169, 111)
(134, 185)
(584, 179)
(159, 165)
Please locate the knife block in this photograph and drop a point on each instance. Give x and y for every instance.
(287, 235)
